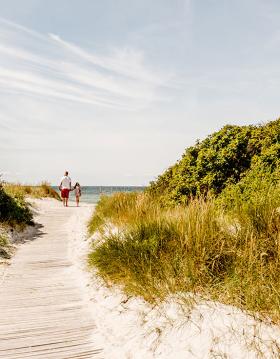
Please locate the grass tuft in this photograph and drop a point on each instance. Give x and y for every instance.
(225, 249)
(4, 247)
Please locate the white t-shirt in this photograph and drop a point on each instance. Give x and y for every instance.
(65, 182)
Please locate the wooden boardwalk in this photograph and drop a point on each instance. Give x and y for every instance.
(43, 310)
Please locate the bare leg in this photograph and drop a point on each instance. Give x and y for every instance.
(63, 201)
(77, 200)
(66, 202)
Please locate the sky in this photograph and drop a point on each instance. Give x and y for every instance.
(114, 90)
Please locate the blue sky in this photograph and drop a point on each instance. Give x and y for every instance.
(114, 91)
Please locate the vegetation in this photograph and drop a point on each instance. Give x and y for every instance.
(209, 225)
(5, 247)
(222, 159)
(15, 211)
(41, 191)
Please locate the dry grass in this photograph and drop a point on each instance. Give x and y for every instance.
(40, 191)
(229, 253)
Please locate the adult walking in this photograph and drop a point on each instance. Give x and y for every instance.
(65, 188)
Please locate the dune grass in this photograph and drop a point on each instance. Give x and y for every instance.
(40, 191)
(5, 247)
(14, 211)
(225, 249)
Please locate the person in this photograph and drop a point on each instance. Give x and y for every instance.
(78, 193)
(65, 188)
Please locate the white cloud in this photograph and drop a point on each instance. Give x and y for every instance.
(47, 66)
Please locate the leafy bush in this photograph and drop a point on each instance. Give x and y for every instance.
(223, 158)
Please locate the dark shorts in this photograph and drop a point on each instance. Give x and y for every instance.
(65, 193)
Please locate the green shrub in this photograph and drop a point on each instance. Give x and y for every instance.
(223, 158)
(14, 211)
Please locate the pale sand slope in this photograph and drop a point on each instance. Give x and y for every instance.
(44, 311)
(131, 328)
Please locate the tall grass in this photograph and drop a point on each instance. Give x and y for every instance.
(40, 191)
(227, 249)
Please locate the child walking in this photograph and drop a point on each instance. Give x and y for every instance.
(78, 193)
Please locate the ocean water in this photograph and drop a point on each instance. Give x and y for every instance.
(91, 194)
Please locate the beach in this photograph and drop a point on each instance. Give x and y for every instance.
(139, 179)
(55, 308)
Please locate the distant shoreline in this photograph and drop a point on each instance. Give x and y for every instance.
(91, 194)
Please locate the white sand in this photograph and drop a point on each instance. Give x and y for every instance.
(65, 304)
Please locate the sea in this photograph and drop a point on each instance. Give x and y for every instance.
(91, 194)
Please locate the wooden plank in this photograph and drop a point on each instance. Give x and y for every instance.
(43, 312)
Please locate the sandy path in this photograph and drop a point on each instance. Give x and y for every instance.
(44, 312)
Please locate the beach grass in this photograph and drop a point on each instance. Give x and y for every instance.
(42, 190)
(14, 207)
(5, 246)
(14, 210)
(225, 249)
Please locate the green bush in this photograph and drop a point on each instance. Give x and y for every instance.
(222, 159)
(14, 211)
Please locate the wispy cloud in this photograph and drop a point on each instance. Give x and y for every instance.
(126, 62)
(50, 67)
